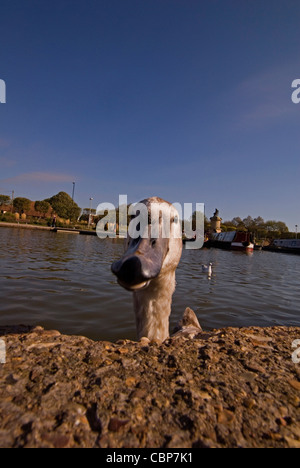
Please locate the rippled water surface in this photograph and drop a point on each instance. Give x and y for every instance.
(63, 281)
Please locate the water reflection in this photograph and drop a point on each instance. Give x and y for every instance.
(65, 282)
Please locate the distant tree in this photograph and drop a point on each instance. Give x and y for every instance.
(238, 223)
(259, 221)
(248, 222)
(228, 226)
(21, 205)
(5, 200)
(261, 229)
(64, 206)
(276, 226)
(42, 207)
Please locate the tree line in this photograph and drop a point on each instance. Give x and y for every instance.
(64, 207)
(61, 204)
(261, 229)
(258, 226)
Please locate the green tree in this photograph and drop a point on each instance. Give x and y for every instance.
(21, 205)
(259, 221)
(64, 206)
(248, 222)
(276, 228)
(5, 200)
(228, 226)
(42, 207)
(238, 223)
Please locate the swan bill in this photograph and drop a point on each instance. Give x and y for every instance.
(135, 287)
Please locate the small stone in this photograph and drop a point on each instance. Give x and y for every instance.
(12, 379)
(292, 443)
(295, 384)
(144, 341)
(115, 424)
(58, 441)
(51, 333)
(226, 417)
(130, 381)
(41, 346)
(38, 328)
(281, 422)
(204, 395)
(249, 403)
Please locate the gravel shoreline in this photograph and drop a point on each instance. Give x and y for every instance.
(232, 387)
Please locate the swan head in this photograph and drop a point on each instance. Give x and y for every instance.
(152, 250)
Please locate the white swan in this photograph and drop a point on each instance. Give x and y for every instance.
(148, 270)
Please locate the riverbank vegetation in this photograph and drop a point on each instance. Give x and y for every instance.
(258, 226)
(40, 212)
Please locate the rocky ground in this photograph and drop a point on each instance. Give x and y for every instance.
(226, 388)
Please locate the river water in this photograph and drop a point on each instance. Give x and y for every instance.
(64, 282)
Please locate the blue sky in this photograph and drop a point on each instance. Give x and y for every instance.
(185, 99)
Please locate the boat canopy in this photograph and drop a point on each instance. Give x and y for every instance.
(224, 236)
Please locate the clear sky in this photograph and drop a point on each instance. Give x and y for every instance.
(189, 100)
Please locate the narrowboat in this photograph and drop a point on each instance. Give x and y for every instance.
(284, 246)
(232, 240)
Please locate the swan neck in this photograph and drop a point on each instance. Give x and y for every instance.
(152, 307)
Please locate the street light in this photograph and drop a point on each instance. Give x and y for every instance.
(73, 191)
(90, 215)
(12, 200)
(296, 226)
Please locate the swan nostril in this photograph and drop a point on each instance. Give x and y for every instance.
(129, 271)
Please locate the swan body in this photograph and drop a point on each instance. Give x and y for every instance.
(188, 326)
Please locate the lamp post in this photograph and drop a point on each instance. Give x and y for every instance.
(12, 200)
(296, 226)
(73, 191)
(90, 215)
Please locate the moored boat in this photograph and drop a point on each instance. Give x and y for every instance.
(284, 246)
(232, 240)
